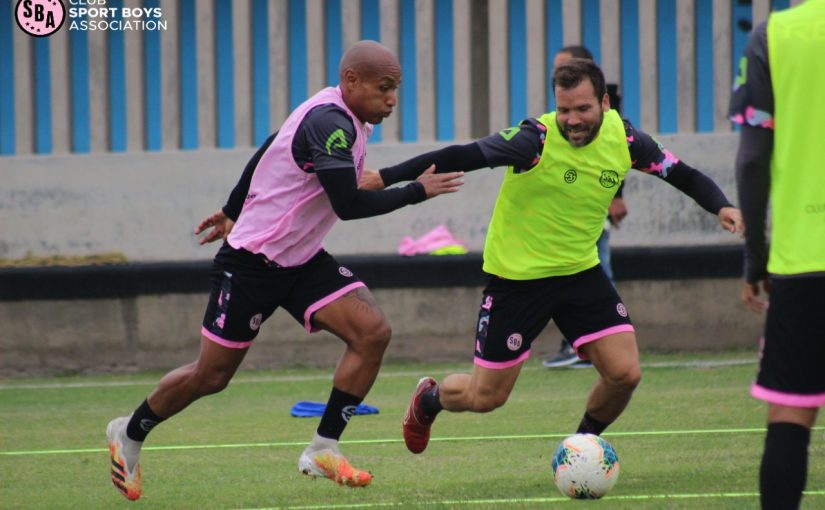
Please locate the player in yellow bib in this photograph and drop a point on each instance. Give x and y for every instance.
(780, 158)
(563, 171)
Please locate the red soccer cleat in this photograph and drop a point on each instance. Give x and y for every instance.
(416, 423)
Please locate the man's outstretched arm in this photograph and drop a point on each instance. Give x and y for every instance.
(649, 156)
(698, 186)
(708, 195)
(519, 146)
(350, 203)
(458, 158)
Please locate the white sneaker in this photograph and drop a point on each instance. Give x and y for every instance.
(123, 453)
(328, 463)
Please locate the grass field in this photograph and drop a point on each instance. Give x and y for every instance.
(691, 439)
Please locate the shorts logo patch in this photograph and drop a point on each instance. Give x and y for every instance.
(255, 322)
(621, 310)
(514, 341)
(345, 272)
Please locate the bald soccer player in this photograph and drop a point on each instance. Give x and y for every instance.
(292, 191)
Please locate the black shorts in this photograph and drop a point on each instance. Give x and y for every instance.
(246, 290)
(792, 361)
(585, 307)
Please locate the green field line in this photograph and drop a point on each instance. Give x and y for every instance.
(389, 441)
(511, 501)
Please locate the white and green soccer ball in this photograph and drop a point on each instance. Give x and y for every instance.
(585, 466)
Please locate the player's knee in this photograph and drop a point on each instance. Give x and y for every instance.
(214, 381)
(487, 402)
(625, 378)
(376, 337)
(383, 334)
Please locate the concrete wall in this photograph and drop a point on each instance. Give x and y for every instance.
(146, 205)
(161, 332)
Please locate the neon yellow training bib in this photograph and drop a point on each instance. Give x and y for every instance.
(547, 220)
(796, 42)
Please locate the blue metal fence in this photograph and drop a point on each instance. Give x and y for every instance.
(153, 87)
(188, 75)
(79, 72)
(16, 132)
(666, 64)
(555, 41)
(7, 113)
(260, 71)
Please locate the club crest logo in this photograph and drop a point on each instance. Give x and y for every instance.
(345, 272)
(621, 310)
(514, 342)
(40, 18)
(609, 178)
(255, 322)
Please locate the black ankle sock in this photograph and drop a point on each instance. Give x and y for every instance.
(340, 407)
(142, 422)
(784, 466)
(590, 425)
(430, 403)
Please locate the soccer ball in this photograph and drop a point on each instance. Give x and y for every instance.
(585, 466)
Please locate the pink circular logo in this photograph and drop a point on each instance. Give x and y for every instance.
(255, 322)
(40, 17)
(514, 342)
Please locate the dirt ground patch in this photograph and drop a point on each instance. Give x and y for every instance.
(63, 260)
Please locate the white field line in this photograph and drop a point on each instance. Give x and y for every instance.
(323, 377)
(511, 437)
(503, 502)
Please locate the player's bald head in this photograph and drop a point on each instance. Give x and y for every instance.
(369, 59)
(370, 75)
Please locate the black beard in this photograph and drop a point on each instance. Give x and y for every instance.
(592, 136)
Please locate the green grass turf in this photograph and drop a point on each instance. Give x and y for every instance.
(239, 449)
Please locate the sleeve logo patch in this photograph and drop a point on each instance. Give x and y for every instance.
(742, 77)
(509, 133)
(337, 140)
